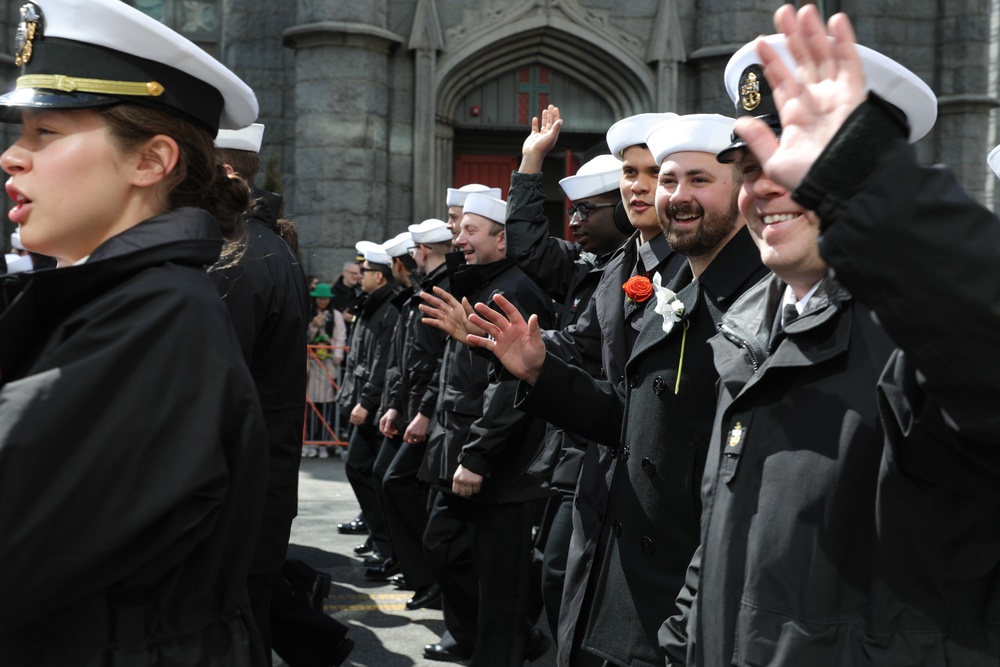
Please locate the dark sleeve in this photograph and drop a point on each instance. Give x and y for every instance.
(500, 424)
(673, 636)
(913, 246)
(391, 393)
(549, 261)
(111, 457)
(491, 433)
(567, 397)
(371, 391)
(428, 350)
(580, 340)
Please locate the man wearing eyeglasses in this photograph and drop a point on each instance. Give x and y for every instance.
(569, 272)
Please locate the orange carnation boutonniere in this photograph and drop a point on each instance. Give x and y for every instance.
(638, 288)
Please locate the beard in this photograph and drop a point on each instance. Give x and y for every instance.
(715, 227)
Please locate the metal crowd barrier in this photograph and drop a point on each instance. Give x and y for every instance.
(324, 424)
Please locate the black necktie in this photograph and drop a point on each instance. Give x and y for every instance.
(789, 314)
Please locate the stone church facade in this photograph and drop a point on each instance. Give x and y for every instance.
(374, 108)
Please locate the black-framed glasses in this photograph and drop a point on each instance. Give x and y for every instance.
(583, 209)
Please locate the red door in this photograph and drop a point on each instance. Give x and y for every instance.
(490, 170)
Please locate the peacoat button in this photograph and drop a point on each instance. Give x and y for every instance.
(647, 546)
(625, 453)
(648, 467)
(613, 451)
(659, 385)
(633, 380)
(617, 528)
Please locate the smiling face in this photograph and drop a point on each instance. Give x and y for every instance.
(786, 233)
(480, 240)
(638, 187)
(696, 202)
(597, 232)
(72, 186)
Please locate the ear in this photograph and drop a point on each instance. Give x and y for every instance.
(502, 241)
(157, 158)
(229, 170)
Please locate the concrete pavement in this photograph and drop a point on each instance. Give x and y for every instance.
(384, 632)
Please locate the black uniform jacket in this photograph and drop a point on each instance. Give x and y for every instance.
(608, 326)
(851, 514)
(569, 276)
(658, 427)
(368, 357)
(412, 379)
(476, 423)
(267, 299)
(132, 459)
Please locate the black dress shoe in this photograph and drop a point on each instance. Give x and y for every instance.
(383, 571)
(364, 548)
(373, 559)
(445, 653)
(535, 645)
(320, 591)
(399, 581)
(426, 597)
(356, 527)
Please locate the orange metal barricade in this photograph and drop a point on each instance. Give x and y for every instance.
(323, 423)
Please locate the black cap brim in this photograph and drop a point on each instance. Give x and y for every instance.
(736, 151)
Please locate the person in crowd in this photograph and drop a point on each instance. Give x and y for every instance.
(607, 330)
(401, 265)
(265, 294)
(410, 408)
(569, 272)
(850, 507)
(455, 200)
(479, 452)
(361, 390)
(347, 291)
(136, 549)
(326, 334)
(658, 422)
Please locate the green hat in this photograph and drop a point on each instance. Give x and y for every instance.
(322, 291)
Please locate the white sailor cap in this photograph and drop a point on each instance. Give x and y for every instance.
(703, 132)
(750, 92)
(993, 159)
(376, 254)
(247, 139)
(456, 196)
(430, 231)
(399, 244)
(93, 53)
(597, 176)
(15, 239)
(490, 208)
(363, 246)
(632, 131)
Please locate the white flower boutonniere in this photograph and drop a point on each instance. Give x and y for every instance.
(667, 304)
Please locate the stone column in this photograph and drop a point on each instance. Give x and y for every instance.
(425, 42)
(341, 135)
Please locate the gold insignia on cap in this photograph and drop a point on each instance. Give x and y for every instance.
(27, 30)
(750, 93)
(72, 84)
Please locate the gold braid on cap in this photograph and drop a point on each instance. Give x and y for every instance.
(70, 84)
